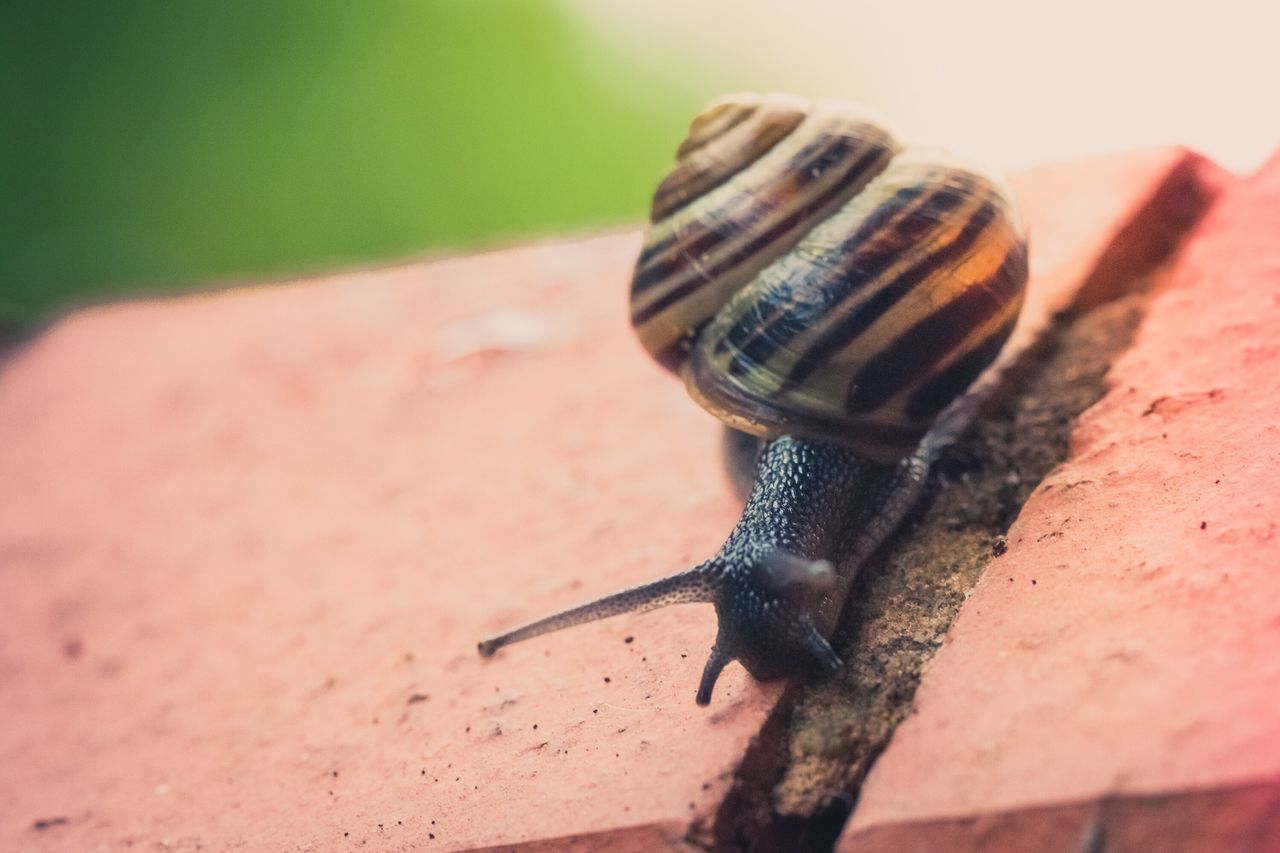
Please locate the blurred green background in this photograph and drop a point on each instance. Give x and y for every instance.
(153, 144)
(150, 145)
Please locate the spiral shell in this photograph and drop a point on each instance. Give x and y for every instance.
(808, 275)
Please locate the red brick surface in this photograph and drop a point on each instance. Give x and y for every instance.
(1118, 667)
(1231, 819)
(243, 532)
(249, 540)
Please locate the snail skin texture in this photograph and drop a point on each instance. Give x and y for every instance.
(830, 295)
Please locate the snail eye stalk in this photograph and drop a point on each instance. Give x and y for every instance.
(688, 587)
(792, 576)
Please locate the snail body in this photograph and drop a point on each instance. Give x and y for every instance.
(826, 292)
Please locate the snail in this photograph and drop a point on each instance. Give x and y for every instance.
(830, 295)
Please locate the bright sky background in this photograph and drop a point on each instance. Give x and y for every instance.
(1015, 82)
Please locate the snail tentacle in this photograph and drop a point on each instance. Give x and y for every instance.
(716, 663)
(691, 586)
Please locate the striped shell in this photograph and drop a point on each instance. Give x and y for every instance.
(808, 275)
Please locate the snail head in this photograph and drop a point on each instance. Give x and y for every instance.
(763, 602)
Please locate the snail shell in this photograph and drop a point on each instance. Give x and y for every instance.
(806, 274)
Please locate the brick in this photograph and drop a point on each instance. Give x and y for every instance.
(272, 524)
(250, 538)
(1239, 818)
(1115, 671)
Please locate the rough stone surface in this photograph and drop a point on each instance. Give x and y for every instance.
(1233, 819)
(1115, 670)
(250, 538)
